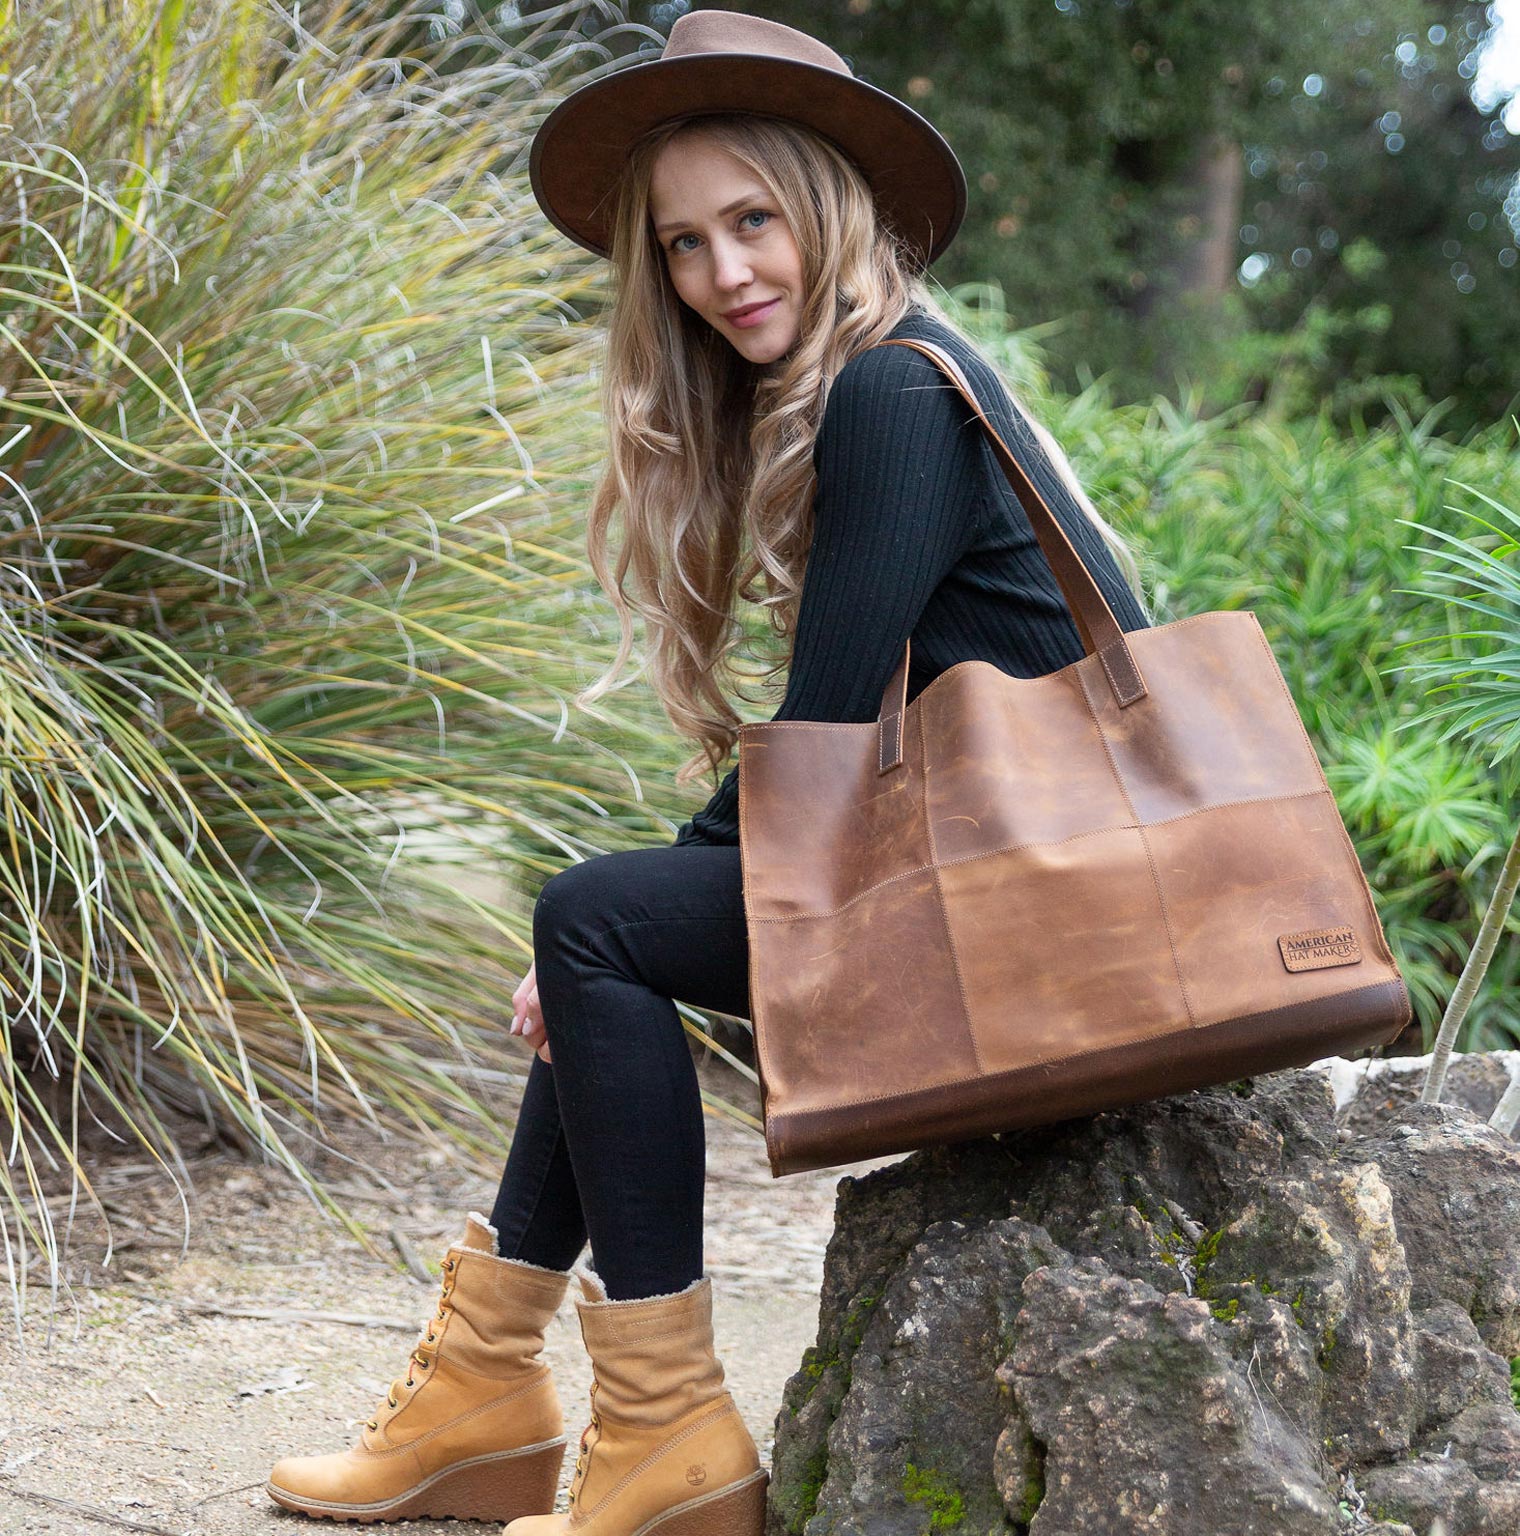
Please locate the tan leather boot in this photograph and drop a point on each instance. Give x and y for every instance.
(666, 1452)
(474, 1430)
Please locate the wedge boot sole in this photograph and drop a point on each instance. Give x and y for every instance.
(737, 1510)
(503, 1486)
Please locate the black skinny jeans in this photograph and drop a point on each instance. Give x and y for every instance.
(609, 1141)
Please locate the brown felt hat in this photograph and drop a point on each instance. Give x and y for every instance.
(721, 61)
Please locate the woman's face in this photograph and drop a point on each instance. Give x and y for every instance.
(727, 246)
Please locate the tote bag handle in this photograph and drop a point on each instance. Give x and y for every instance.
(1099, 629)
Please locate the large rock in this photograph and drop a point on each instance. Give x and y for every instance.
(1261, 1308)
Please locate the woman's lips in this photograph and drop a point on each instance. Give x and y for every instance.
(755, 316)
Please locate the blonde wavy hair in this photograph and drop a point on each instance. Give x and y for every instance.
(710, 455)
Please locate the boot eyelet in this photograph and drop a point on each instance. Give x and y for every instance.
(373, 1425)
(431, 1337)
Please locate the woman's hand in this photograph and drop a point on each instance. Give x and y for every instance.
(528, 1017)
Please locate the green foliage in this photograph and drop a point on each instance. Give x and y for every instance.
(1477, 574)
(1473, 674)
(1296, 368)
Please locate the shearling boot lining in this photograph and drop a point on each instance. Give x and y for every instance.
(602, 1299)
(501, 1258)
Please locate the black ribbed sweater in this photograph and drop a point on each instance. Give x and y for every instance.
(916, 532)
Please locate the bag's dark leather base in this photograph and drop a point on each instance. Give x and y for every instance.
(1141, 1070)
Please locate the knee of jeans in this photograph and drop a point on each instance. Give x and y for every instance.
(565, 900)
(545, 915)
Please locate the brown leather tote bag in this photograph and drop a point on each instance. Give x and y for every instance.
(1018, 900)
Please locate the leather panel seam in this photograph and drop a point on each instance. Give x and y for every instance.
(1059, 842)
(944, 911)
(1392, 986)
(1150, 857)
(1370, 906)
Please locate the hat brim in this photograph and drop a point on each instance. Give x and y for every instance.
(580, 148)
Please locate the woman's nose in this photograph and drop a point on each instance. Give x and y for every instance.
(731, 268)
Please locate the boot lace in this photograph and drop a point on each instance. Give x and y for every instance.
(420, 1357)
(583, 1455)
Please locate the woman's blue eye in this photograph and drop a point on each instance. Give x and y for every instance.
(675, 245)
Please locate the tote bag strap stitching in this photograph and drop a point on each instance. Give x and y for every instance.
(889, 757)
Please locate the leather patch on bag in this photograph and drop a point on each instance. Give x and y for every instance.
(1317, 948)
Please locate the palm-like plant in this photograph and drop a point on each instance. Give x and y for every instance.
(1473, 673)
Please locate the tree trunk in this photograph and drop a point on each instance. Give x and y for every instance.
(1198, 261)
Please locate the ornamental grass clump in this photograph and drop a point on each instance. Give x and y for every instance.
(297, 426)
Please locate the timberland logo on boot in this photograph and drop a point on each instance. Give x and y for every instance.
(1316, 948)
(696, 1474)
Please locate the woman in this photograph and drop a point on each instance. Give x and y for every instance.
(768, 218)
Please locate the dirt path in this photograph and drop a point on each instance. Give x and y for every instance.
(148, 1412)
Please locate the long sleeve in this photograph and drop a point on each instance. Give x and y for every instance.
(900, 496)
(718, 820)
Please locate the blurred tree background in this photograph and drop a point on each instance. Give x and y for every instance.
(1298, 200)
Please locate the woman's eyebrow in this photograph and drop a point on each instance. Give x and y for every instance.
(738, 202)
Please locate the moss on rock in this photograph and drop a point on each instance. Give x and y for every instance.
(923, 1485)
